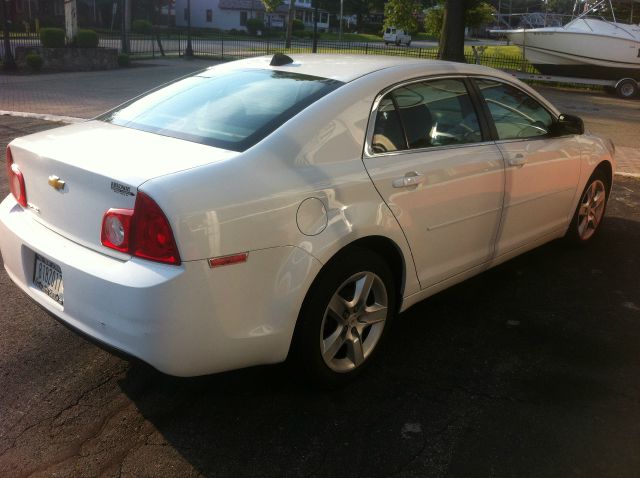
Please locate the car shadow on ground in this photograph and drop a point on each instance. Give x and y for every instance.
(526, 370)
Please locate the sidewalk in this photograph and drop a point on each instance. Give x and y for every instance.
(84, 95)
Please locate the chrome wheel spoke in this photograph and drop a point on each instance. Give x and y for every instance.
(363, 289)
(333, 343)
(355, 351)
(339, 307)
(373, 314)
(584, 209)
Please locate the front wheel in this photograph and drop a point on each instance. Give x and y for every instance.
(590, 211)
(343, 318)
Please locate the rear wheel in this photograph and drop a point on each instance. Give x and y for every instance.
(343, 318)
(590, 211)
(627, 88)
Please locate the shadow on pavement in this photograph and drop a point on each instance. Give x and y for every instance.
(530, 369)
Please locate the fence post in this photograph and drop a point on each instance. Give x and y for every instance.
(366, 48)
(159, 44)
(222, 45)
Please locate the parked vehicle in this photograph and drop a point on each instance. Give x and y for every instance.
(273, 208)
(396, 36)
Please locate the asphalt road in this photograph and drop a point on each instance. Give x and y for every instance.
(530, 369)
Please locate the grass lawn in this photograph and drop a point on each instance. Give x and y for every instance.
(361, 37)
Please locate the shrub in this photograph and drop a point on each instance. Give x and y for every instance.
(141, 26)
(123, 60)
(86, 39)
(253, 25)
(298, 25)
(34, 61)
(52, 37)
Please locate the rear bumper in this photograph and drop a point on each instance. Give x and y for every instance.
(186, 320)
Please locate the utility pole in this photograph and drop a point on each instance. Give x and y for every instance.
(9, 63)
(341, 12)
(70, 19)
(189, 51)
(290, 24)
(126, 25)
(314, 49)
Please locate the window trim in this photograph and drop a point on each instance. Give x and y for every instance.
(482, 120)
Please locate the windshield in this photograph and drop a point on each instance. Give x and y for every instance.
(231, 110)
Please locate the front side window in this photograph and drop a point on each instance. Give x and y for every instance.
(231, 110)
(515, 114)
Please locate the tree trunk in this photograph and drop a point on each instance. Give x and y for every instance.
(452, 35)
(292, 13)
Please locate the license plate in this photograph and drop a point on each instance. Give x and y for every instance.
(48, 278)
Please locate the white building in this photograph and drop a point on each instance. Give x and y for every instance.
(233, 14)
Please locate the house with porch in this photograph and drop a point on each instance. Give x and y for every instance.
(233, 14)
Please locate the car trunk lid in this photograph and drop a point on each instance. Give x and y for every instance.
(73, 175)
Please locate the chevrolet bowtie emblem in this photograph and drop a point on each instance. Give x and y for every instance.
(56, 183)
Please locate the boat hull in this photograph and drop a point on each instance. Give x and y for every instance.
(586, 54)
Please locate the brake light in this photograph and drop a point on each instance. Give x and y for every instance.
(143, 231)
(16, 180)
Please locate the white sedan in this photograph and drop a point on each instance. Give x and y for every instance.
(291, 207)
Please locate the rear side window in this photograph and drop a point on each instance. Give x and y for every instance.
(515, 114)
(432, 113)
(231, 110)
(388, 135)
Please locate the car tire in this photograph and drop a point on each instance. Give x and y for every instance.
(408, 43)
(343, 319)
(589, 213)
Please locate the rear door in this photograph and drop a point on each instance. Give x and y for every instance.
(429, 157)
(541, 171)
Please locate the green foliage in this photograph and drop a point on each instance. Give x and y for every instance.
(141, 26)
(52, 37)
(477, 14)
(298, 25)
(254, 24)
(123, 60)
(86, 39)
(402, 14)
(433, 21)
(34, 61)
(271, 5)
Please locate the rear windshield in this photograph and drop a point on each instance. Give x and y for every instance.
(231, 110)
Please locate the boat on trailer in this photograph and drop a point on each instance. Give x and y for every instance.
(587, 48)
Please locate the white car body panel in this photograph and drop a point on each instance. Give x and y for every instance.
(293, 201)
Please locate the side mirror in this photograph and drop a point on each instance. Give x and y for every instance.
(567, 125)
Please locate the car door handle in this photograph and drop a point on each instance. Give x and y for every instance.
(411, 178)
(518, 160)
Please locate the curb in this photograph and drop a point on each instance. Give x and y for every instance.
(45, 117)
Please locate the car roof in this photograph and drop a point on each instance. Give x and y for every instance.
(346, 68)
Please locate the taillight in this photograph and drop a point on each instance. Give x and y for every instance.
(143, 231)
(116, 229)
(16, 180)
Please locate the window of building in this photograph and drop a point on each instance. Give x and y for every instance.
(209, 15)
(243, 19)
(186, 14)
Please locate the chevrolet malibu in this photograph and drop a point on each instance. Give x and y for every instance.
(276, 208)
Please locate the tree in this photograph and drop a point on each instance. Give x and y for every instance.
(401, 14)
(475, 16)
(271, 5)
(452, 35)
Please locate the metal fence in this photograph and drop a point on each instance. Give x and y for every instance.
(228, 47)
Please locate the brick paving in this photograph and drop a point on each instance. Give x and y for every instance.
(68, 96)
